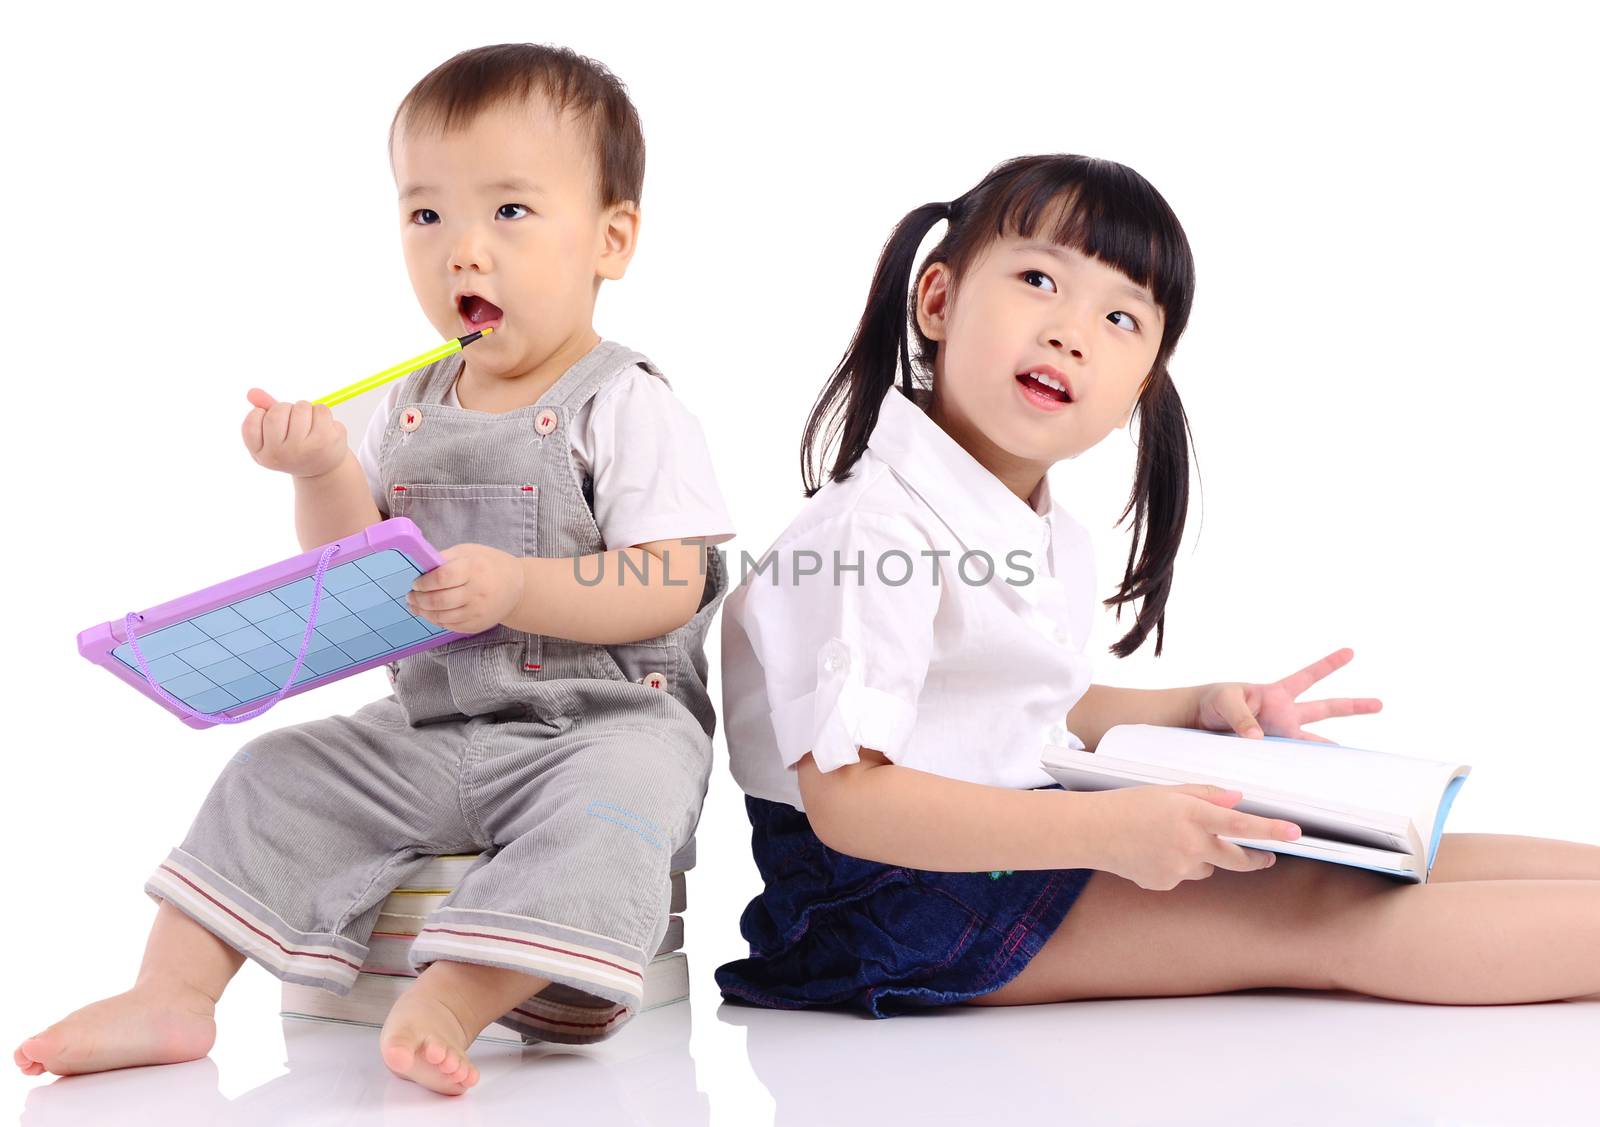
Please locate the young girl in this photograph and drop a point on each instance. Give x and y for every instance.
(916, 636)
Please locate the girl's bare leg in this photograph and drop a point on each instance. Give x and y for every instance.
(1310, 925)
(167, 1017)
(1511, 857)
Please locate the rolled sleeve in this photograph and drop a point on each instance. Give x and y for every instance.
(845, 653)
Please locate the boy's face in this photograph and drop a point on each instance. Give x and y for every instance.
(508, 209)
(1031, 306)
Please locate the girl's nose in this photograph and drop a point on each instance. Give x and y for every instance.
(1066, 337)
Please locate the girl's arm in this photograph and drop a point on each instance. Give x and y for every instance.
(1104, 706)
(1243, 707)
(879, 811)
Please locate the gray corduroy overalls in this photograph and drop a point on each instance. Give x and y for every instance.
(578, 770)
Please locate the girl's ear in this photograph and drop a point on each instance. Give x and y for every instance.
(933, 300)
(619, 235)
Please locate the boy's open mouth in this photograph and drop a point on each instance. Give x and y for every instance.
(478, 311)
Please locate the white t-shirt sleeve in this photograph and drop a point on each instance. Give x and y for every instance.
(651, 467)
(845, 660)
(372, 443)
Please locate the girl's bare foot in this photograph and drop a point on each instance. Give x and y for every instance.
(423, 1040)
(149, 1024)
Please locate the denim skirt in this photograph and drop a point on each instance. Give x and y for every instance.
(833, 930)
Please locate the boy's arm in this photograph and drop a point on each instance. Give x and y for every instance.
(624, 595)
(880, 811)
(333, 505)
(1104, 706)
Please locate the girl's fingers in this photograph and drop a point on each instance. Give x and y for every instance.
(1297, 683)
(1240, 859)
(259, 398)
(1236, 711)
(1237, 823)
(1314, 710)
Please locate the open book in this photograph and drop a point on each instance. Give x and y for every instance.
(1370, 809)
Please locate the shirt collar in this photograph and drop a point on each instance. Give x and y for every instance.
(974, 504)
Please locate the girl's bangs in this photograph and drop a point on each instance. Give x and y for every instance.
(1101, 211)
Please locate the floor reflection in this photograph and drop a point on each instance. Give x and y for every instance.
(643, 1077)
(1291, 1056)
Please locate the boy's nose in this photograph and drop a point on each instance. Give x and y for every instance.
(469, 254)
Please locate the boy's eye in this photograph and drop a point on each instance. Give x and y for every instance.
(1029, 275)
(428, 215)
(505, 206)
(1132, 326)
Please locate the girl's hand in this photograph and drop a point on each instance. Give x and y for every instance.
(1248, 709)
(1162, 835)
(475, 588)
(296, 438)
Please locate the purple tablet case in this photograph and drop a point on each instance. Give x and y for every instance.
(227, 648)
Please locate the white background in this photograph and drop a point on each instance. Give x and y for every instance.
(1389, 376)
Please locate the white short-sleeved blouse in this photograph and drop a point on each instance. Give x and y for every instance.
(645, 452)
(924, 652)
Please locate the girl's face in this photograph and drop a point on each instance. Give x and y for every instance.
(1026, 309)
(507, 208)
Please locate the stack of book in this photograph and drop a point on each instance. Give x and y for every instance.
(387, 972)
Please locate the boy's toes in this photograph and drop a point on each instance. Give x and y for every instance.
(432, 1063)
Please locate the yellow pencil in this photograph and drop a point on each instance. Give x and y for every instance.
(394, 373)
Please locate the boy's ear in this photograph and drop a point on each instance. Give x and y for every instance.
(619, 234)
(933, 300)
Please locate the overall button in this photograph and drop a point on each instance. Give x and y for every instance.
(545, 421)
(653, 680)
(410, 419)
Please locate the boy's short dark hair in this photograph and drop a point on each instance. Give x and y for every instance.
(452, 94)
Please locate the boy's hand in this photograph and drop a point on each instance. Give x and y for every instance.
(296, 438)
(1233, 706)
(475, 588)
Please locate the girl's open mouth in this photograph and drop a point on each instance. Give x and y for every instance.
(1043, 392)
(479, 312)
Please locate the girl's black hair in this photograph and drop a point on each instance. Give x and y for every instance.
(1098, 207)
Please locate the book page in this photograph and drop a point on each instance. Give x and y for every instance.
(1400, 784)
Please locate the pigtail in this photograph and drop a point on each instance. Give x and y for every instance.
(847, 408)
(1159, 503)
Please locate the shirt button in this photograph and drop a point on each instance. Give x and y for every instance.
(1059, 736)
(1063, 635)
(653, 680)
(835, 658)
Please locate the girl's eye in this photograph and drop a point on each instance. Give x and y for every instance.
(1029, 275)
(504, 206)
(430, 216)
(1133, 321)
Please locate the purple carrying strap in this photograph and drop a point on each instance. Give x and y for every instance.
(220, 717)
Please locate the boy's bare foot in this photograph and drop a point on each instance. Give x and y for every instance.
(147, 1025)
(424, 1041)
